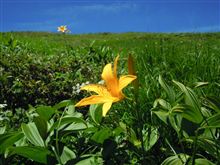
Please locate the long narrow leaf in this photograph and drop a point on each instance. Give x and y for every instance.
(170, 92)
(191, 100)
(187, 112)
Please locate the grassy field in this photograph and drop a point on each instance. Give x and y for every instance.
(171, 116)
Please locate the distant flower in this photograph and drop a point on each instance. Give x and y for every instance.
(76, 88)
(3, 105)
(110, 92)
(62, 29)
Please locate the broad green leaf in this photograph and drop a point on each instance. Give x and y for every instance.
(41, 126)
(63, 104)
(2, 130)
(93, 160)
(46, 112)
(170, 92)
(67, 120)
(187, 112)
(191, 100)
(163, 104)
(117, 131)
(71, 110)
(101, 135)
(21, 142)
(91, 130)
(76, 126)
(179, 159)
(201, 161)
(8, 139)
(31, 132)
(95, 112)
(38, 154)
(67, 155)
(150, 137)
(162, 114)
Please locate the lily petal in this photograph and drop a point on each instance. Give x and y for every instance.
(106, 107)
(110, 80)
(107, 72)
(99, 89)
(125, 80)
(94, 99)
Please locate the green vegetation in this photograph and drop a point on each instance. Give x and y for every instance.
(171, 114)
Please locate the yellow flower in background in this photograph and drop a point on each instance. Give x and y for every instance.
(110, 92)
(62, 29)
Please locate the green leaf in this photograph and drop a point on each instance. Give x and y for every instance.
(213, 121)
(191, 100)
(101, 135)
(41, 126)
(179, 159)
(150, 137)
(175, 121)
(200, 84)
(117, 131)
(31, 132)
(8, 139)
(38, 154)
(63, 104)
(187, 112)
(67, 120)
(201, 161)
(76, 126)
(71, 111)
(67, 155)
(162, 114)
(132, 137)
(46, 112)
(213, 103)
(93, 160)
(95, 112)
(211, 146)
(2, 130)
(170, 92)
(163, 104)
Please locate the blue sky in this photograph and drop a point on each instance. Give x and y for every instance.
(89, 16)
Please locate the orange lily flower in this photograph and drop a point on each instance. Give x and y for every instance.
(110, 92)
(62, 29)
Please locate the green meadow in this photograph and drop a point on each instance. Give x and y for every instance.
(170, 113)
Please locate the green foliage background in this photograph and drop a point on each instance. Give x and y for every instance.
(38, 68)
